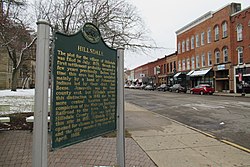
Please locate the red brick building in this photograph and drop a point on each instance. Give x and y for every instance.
(205, 50)
(240, 38)
(158, 72)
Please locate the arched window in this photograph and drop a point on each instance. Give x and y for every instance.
(183, 46)
(192, 63)
(239, 32)
(240, 55)
(192, 42)
(225, 54)
(217, 56)
(224, 29)
(216, 33)
(187, 44)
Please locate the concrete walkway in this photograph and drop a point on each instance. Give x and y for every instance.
(171, 144)
(156, 141)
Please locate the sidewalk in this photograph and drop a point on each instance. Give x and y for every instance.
(156, 141)
(171, 144)
(231, 94)
(16, 151)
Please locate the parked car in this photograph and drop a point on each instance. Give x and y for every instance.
(163, 87)
(202, 89)
(149, 87)
(126, 86)
(137, 86)
(240, 87)
(142, 86)
(177, 88)
(132, 86)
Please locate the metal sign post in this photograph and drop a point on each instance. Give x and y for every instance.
(120, 109)
(40, 133)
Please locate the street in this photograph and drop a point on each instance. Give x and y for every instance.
(224, 117)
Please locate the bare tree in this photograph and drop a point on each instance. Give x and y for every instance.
(15, 36)
(118, 21)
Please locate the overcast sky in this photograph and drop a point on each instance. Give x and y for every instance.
(164, 18)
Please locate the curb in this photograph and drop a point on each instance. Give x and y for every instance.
(231, 95)
(207, 134)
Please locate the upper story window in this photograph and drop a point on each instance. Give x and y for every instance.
(239, 32)
(179, 47)
(202, 38)
(183, 46)
(209, 59)
(188, 64)
(197, 40)
(197, 61)
(240, 55)
(209, 36)
(192, 42)
(183, 64)
(224, 29)
(171, 67)
(217, 56)
(225, 54)
(203, 60)
(192, 61)
(179, 65)
(187, 44)
(216, 33)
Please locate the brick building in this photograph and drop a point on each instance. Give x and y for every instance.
(205, 49)
(157, 72)
(240, 26)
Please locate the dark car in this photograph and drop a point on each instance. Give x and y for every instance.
(163, 87)
(142, 86)
(177, 88)
(243, 88)
(149, 87)
(202, 89)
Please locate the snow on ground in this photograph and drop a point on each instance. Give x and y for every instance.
(19, 92)
(18, 101)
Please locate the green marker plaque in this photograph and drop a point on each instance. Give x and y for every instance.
(84, 87)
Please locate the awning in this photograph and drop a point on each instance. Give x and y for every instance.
(177, 74)
(190, 72)
(200, 73)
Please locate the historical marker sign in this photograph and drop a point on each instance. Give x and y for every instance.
(84, 90)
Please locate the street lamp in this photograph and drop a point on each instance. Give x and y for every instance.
(241, 72)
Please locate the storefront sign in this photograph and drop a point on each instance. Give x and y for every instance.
(84, 90)
(221, 67)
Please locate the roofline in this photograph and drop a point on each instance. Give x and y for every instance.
(201, 19)
(197, 21)
(240, 11)
(175, 53)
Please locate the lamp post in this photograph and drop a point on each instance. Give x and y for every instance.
(241, 72)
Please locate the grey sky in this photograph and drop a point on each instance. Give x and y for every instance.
(164, 17)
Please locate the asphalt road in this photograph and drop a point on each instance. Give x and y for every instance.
(224, 117)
